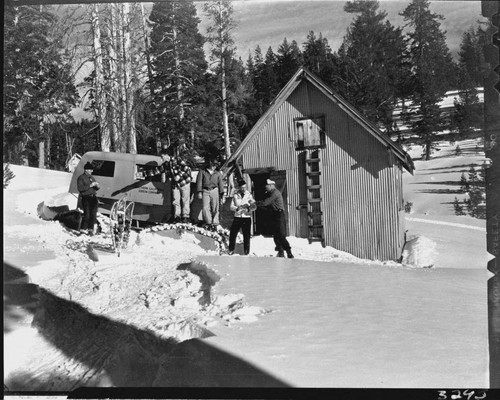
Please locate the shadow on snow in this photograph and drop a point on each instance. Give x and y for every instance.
(114, 354)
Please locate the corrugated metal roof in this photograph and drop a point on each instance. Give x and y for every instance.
(303, 73)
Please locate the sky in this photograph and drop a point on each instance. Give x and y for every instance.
(266, 23)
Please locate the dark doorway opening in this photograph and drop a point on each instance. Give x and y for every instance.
(262, 218)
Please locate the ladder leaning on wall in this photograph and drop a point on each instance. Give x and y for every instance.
(314, 196)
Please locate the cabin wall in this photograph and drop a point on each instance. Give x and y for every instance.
(361, 180)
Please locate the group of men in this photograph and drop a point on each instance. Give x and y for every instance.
(243, 204)
(210, 190)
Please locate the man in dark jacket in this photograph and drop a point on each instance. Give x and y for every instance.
(274, 203)
(210, 188)
(88, 186)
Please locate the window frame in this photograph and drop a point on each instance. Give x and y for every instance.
(154, 178)
(98, 164)
(300, 139)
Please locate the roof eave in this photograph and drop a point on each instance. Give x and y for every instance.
(342, 103)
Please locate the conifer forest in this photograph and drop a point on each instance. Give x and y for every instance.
(145, 74)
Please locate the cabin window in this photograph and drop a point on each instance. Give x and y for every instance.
(309, 132)
(148, 172)
(103, 168)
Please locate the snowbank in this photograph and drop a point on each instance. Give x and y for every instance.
(419, 252)
(107, 320)
(47, 202)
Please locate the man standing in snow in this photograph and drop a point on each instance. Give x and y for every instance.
(210, 188)
(87, 186)
(177, 168)
(274, 203)
(242, 204)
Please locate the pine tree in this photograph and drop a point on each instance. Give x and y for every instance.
(471, 55)
(467, 114)
(220, 38)
(258, 84)
(268, 77)
(254, 106)
(457, 206)
(318, 57)
(38, 83)
(372, 63)
(288, 61)
(178, 70)
(474, 187)
(240, 100)
(429, 81)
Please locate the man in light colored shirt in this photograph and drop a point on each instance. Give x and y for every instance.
(243, 204)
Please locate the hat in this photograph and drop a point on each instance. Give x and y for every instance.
(270, 182)
(88, 166)
(241, 182)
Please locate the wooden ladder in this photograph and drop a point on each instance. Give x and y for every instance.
(314, 196)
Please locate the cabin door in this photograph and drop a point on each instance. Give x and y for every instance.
(261, 225)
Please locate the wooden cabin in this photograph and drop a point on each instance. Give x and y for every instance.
(340, 176)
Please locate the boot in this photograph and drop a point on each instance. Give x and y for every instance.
(289, 254)
(280, 254)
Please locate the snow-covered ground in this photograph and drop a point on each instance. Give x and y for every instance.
(323, 319)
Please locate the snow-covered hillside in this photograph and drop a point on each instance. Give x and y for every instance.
(323, 319)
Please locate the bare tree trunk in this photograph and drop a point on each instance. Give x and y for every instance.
(178, 82)
(428, 145)
(41, 147)
(41, 154)
(225, 122)
(192, 137)
(100, 96)
(113, 76)
(69, 147)
(48, 145)
(127, 74)
(150, 70)
(224, 109)
(121, 117)
(179, 89)
(146, 48)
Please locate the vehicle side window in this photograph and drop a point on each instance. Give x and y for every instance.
(148, 172)
(104, 168)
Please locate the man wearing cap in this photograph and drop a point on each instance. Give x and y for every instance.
(274, 203)
(242, 204)
(88, 186)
